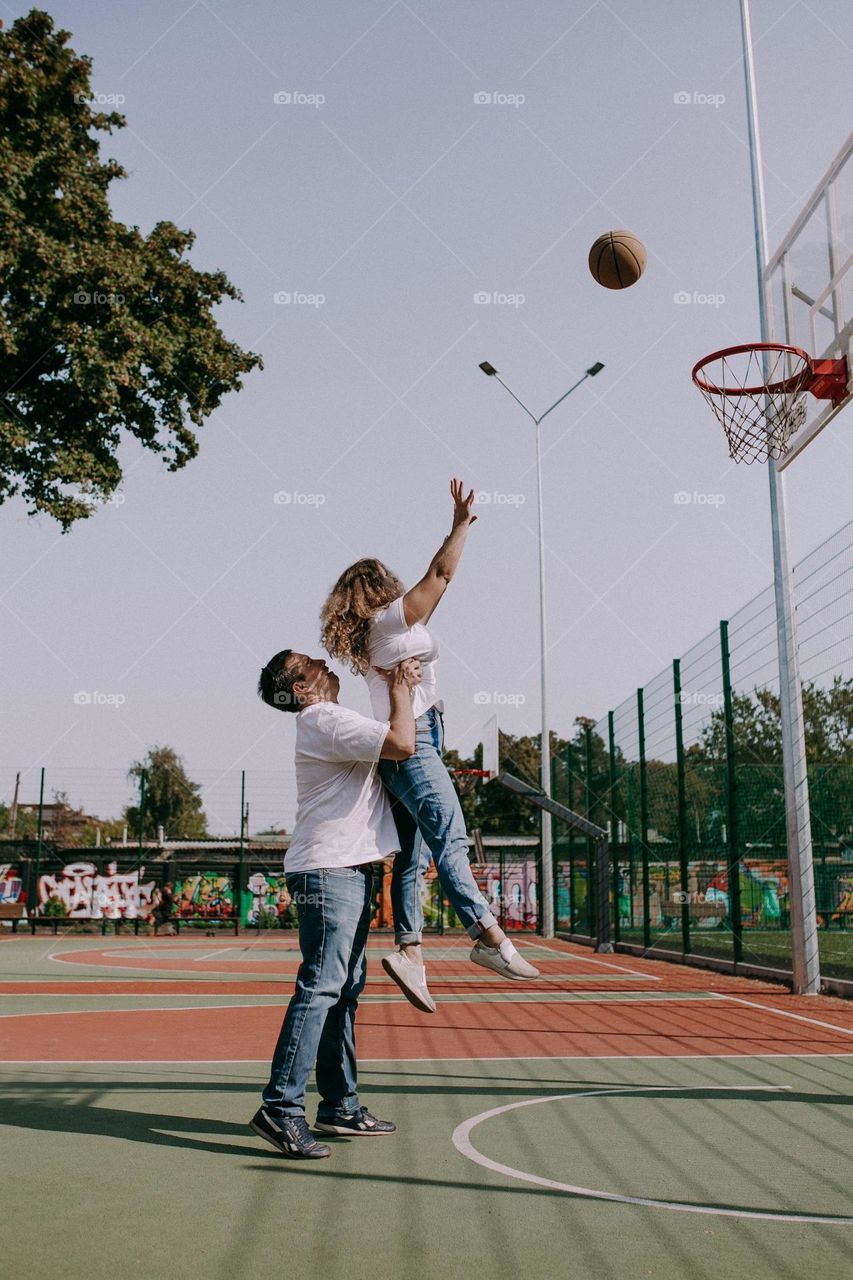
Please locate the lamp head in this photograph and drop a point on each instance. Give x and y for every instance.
(488, 369)
(596, 368)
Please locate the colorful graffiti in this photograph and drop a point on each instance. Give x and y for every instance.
(267, 897)
(10, 883)
(515, 883)
(89, 894)
(208, 894)
(518, 891)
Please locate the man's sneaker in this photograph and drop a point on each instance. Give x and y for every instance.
(504, 960)
(410, 978)
(288, 1134)
(360, 1124)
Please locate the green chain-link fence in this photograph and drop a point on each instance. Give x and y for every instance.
(687, 776)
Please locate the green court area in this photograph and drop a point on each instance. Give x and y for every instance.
(150, 1170)
(766, 947)
(618, 1117)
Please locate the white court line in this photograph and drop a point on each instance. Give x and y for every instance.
(784, 1013)
(274, 1001)
(607, 964)
(463, 1144)
(264, 1062)
(165, 1008)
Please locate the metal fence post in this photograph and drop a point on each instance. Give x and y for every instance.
(591, 872)
(644, 823)
(142, 780)
(239, 894)
(570, 834)
(614, 821)
(682, 809)
(36, 905)
(733, 857)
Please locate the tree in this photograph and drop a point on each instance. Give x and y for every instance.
(172, 800)
(757, 723)
(102, 328)
(828, 721)
(496, 811)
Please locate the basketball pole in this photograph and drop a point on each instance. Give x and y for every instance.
(547, 859)
(805, 956)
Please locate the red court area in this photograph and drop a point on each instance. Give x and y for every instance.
(585, 1005)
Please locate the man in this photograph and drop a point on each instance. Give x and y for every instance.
(161, 908)
(343, 825)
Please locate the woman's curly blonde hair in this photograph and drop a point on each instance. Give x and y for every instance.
(359, 594)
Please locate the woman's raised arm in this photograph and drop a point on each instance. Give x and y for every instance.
(420, 601)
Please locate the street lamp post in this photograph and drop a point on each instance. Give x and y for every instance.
(547, 861)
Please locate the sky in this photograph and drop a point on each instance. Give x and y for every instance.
(401, 190)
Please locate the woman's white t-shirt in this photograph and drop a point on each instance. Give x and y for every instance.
(391, 640)
(342, 812)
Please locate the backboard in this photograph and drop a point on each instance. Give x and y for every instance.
(808, 284)
(491, 749)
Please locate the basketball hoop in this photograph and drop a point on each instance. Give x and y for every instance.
(467, 779)
(757, 393)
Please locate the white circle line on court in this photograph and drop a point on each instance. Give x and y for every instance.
(462, 1142)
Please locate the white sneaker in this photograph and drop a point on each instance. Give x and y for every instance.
(411, 979)
(504, 960)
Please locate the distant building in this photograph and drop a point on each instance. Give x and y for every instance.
(60, 820)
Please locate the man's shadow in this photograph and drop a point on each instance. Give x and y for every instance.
(25, 1107)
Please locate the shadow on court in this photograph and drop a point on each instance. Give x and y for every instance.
(58, 1108)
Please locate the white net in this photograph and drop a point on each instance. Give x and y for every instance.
(758, 397)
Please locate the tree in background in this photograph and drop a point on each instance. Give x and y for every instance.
(828, 714)
(757, 722)
(102, 328)
(496, 811)
(172, 800)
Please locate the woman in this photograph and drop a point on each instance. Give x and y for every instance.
(372, 623)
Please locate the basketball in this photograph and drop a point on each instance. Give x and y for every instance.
(617, 259)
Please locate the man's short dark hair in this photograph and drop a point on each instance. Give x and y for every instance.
(275, 686)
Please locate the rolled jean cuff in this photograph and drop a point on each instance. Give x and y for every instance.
(407, 938)
(335, 1111)
(481, 924)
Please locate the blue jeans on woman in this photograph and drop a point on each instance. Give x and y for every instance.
(333, 907)
(430, 824)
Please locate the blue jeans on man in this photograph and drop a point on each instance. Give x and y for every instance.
(333, 908)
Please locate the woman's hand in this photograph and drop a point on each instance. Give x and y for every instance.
(461, 505)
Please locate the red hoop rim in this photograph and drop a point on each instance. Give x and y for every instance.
(791, 385)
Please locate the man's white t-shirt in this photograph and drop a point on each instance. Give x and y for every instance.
(342, 813)
(391, 641)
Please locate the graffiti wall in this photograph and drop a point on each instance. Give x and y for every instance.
(90, 894)
(209, 894)
(10, 883)
(518, 889)
(267, 896)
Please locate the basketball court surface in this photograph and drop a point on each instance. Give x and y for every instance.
(618, 1117)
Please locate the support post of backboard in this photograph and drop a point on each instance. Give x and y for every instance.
(602, 897)
(804, 949)
(600, 923)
